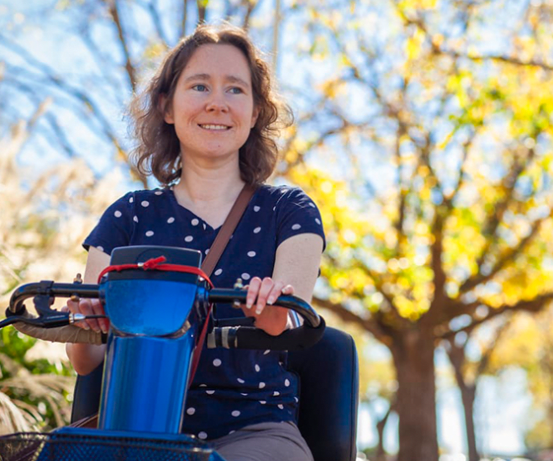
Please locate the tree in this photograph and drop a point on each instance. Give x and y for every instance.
(441, 222)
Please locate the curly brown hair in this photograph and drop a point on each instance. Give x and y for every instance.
(158, 150)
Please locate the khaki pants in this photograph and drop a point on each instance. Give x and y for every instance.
(264, 442)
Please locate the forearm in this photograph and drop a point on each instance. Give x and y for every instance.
(85, 357)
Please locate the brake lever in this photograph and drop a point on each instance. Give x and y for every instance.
(51, 321)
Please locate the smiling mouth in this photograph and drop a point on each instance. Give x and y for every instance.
(214, 127)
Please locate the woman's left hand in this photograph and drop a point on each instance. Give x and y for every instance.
(261, 295)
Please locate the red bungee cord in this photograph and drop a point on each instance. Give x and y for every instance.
(157, 264)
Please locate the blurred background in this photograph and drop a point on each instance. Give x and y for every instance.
(423, 131)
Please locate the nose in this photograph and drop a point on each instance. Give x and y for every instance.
(217, 102)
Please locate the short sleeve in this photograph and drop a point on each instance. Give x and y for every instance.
(115, 226)
(297, 214)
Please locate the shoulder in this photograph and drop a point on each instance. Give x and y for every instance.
(293, 211)
(284, 195)
(138, 201)
(148, 199)
(152, 194)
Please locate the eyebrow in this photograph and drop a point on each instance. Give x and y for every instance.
(229, 78)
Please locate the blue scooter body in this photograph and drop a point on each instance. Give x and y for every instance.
(155, 320)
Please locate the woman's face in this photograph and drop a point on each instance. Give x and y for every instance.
(212, 108)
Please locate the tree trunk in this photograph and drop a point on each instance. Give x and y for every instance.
(468, 395)
(381, 454)
(413, 353)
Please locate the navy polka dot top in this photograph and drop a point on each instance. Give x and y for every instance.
(232, 388)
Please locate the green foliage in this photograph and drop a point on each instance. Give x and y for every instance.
(35, 394)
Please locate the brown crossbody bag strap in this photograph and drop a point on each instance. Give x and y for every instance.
(226, 231)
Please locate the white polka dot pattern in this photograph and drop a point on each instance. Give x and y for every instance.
(258, 380)
(202, 435)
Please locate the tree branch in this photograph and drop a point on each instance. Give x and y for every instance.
(507, 256)
(202, 10)
(494, 220)
(346, 315)
(114, 13)
(533, 305)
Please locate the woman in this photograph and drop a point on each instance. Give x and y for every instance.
(205, 127)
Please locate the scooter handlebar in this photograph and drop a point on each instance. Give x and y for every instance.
(50, 327)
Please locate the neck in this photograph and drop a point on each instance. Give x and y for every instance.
(202, 185)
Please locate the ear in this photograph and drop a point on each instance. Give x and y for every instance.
(166, 108)
(255, 114)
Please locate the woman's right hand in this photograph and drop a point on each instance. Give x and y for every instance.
(88, 307)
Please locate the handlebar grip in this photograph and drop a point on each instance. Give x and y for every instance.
(243, 337)
(223, 295)
(66, 334)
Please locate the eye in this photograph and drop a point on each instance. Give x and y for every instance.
(199, 87)
(236, 90)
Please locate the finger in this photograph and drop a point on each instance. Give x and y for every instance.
(86, 307)
(253, 290)
(73, 306)
(98, 309)
(266, 287)
(65, 309)
(275, 292)
(288, 290)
